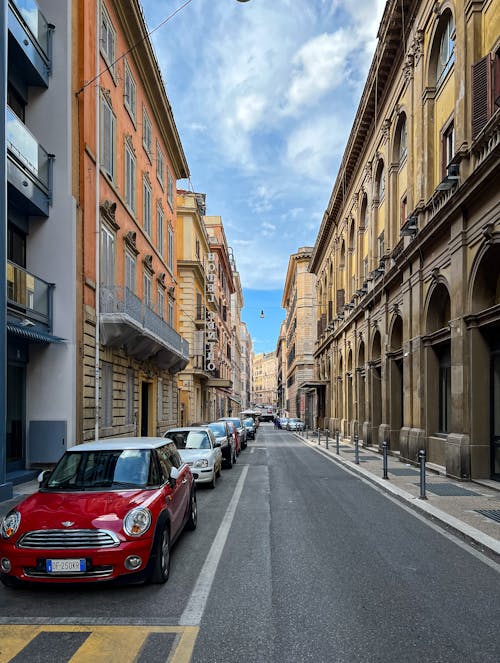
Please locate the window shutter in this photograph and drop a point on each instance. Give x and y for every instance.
(330, 310)
(481, 94)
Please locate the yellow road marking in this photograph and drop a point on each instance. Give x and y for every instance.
(105, 644)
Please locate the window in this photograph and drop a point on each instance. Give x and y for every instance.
(108, 39)
(129, 409)
(106, 394)
(129, 176)
(107, 138)
(159, 229)
(444, 391)
(170, 315)
(402, 140)
(130, 92)
(170, 190)
(170, 248)
(380, 245)
(130, 269)
(161, 302)
(147, 290)
(381, 182)
(147, 133)
(160, 165)
(107, 257)
(146, 204)
(404, 210)
(448, 147)
(446, 55)
(485, 90)
(197, 249)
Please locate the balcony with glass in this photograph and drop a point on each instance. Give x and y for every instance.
(29, 298)
(125, 320)
(30, 42)
(29, 168)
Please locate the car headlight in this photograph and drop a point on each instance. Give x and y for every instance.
(137, 522)
(201, 462)
(10, 524)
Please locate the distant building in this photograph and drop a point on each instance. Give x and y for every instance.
(265, 382)
(299, 333)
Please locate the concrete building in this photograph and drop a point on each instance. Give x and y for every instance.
(39, 352)
(246, 367)
(128, 157)
(299, 301)
(282, 394)
(265, 383)
(408, 254)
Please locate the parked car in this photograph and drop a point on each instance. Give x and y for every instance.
(242, 434)
(198, 448)
(251, 413)
(225, 436)
(249, 427)
(109, 509)
(282, 422)
(236, 437)
(294, 424)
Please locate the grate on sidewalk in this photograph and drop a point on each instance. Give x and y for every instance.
(492, 514)
(449, 490)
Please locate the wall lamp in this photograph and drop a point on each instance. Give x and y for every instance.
(451, 178)
(410, 228)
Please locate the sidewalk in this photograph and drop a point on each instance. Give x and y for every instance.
(470, 509)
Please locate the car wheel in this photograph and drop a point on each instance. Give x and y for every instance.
(9, 581)
(212, 483)
(234, 457)
(161, 565)
(219, 471)
(193, 515)
(229, 461)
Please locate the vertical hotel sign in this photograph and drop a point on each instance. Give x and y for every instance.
(210, 330)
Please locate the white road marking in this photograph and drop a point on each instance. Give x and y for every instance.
(193, 611)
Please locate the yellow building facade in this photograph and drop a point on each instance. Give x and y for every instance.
(407, 257)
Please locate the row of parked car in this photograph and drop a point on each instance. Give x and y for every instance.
(207, 448)
(111, 509)
(290, 423)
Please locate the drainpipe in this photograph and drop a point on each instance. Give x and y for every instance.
(97, 220)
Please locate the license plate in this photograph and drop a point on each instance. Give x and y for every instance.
(66, 565)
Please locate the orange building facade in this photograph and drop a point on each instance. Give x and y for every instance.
(129, 159)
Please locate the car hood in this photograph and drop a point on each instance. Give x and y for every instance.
(190, 455)
(89, 509)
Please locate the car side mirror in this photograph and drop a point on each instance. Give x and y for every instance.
(174, 475)
(43, 476)
(217, 444)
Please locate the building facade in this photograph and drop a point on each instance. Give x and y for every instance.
(129, 158)
(246, 367)
(407, 255)
(236, 348)
(38, 217)
(299, 301)
(196, 305)
(265, 383)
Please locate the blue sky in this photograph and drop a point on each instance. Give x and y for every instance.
(264, 94)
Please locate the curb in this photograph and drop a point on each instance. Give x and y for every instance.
(471, 534)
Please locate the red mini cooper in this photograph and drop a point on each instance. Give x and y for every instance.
(108, 509)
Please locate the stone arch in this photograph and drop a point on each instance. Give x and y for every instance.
(485, 279)
(438, 309)
(444, 28)
(399, 145)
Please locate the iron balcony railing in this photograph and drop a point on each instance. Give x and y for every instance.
(28, 12)
(30, 295)
(119, 299)
(29, 154)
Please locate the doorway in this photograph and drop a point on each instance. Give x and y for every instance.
(145, 408)
(16, 390)
(495, 415)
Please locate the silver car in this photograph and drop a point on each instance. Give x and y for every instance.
(294, 424)
(198, 448)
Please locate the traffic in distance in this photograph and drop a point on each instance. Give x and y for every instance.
(112, 509)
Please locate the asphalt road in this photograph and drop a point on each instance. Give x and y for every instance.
(293, 560)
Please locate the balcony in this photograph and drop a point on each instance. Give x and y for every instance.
(30, 43)
(29, 169)
(127, 321)
(29, 296)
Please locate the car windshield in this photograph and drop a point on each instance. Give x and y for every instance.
(249, 423)
(218, 429)
(192, 439)
(90, 470)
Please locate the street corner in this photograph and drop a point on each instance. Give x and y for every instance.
(46, 643)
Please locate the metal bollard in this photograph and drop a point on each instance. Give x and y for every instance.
(384, 458)
(319, 436)
(421, 457)
(337, 442)
(356, 448)
(326, 441)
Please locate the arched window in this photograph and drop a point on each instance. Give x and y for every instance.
(362, 218)
(446, 56)
(401, 139)
(380, 181)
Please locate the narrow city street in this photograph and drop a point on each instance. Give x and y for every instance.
(294, 559)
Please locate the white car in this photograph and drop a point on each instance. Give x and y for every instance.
(198, 448)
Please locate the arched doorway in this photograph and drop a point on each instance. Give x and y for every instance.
(376, 386)
(396, 396)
